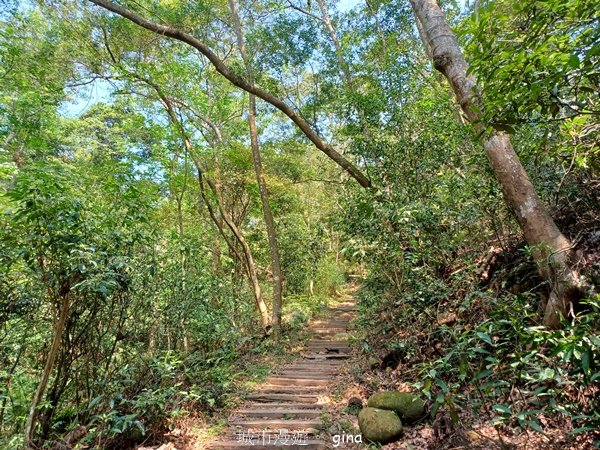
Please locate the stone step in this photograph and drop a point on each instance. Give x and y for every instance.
(281, 413)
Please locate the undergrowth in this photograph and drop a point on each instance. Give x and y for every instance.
(480, 355)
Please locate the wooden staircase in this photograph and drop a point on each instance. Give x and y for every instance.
(286, 411)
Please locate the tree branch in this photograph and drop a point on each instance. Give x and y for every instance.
(240, 82)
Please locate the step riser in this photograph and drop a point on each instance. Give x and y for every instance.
(298, 382)
(307, 426)
(291, 390)
(291, 398)
(328, 366)
(283, 414)
(274, 406)
(319, 376)
(324, 329)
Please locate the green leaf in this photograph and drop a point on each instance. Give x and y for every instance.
(574, 61)
(534, 425)
(484, 337)
(502, 408)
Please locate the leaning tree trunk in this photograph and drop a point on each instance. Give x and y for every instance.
(552, 250)
(260, 177)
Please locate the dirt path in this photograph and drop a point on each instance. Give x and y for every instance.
(286, 411)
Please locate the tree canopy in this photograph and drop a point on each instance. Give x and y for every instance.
(185, 184)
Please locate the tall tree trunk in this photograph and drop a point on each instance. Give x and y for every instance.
(59, 325)
(260, 178)
(552, 250)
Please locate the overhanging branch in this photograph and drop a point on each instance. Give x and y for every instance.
(240, 82)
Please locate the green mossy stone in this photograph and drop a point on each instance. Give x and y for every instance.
(409, 407)
(379, 425)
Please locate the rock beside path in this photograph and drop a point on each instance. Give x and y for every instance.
(409, 407)
(379, 425)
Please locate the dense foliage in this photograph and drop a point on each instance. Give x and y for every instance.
(132, 234)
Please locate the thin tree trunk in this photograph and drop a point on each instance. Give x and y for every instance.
(183, 256)
(59, 326)
(180, 229)
(260, 178)
(250, 265)
(336, 42)
(552, 250)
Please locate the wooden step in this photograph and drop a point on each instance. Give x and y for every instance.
(280, 413)
(330, 330)
(265, 397)
(281, 389)
(328, 343)
(300, 365)
(280, 380)
(325, 356)
(332, 321)
(282, 405)
(256, 444)
(330, 365)
(325, 348)
(318, 374)
(308, 425)
(327, 337)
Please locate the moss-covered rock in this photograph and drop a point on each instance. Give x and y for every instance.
(409, 407)
(379, 425)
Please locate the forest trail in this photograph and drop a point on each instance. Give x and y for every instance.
(286, 410)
